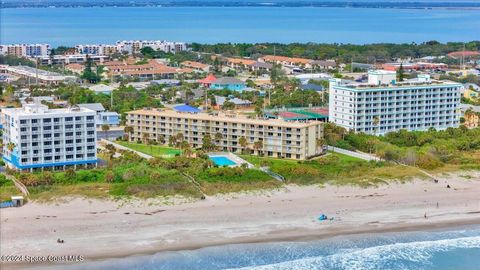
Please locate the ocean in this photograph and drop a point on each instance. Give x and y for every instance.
(94, 25)
(440, 250)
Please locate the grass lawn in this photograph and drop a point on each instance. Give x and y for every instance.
(335, 169)
(153, 150)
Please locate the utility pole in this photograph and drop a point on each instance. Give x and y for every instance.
(36, 72)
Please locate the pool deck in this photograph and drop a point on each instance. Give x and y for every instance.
(238, 160)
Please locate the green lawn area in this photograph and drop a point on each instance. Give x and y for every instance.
(335, 169)
(153, 150)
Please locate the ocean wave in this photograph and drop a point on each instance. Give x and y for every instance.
(392, 256)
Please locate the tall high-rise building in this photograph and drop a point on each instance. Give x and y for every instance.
(384, 105)
(37, 137)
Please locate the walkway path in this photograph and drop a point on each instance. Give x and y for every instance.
(18, 184)
(359, 155)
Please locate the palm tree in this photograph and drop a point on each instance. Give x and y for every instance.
(186, 148)
(128, 131)
(145, 137)
(320, 142)
(243, 142)
(179, 138)
(218, 137)
(11, 146)
(105, 129)
(376, 122)
(257, 146)
(161, 139)
(172, 140)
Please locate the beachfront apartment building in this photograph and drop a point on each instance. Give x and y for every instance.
(25, 50)
(384, 105)
(36, 137)
(278, 138)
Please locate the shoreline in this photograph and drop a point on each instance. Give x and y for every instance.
(305, 236)
(102, 230)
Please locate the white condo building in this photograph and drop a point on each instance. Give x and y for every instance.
(97, 49)
(25, 50)
(384, 105)
(54, 138)
(134, 46)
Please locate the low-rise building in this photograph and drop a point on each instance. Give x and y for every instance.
(384, 105)
(229, 83)
(196, 66)
(414, 66)
(273, 138)
(149, 71)
(102, 89)
(471, 115)
(287, 61)
(70, 59)
(103, 117)
(36, 137)
(238, 102)
(34, 74)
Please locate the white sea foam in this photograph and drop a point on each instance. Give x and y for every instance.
(391, 256)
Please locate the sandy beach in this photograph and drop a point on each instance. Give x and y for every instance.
(103, 229)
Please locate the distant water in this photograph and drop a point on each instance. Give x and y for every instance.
(440, 250)
(70, 26)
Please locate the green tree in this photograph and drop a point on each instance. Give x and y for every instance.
(88, 73)
(401, 73)
(105, 129)
(243, 143)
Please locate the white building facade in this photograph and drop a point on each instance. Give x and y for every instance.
(36, 137)
(25, 50)
(134, 46)
(381, 107)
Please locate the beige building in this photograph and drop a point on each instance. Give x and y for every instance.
(280, 139)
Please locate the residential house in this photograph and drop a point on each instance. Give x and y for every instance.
(229, 83)
(196, 66)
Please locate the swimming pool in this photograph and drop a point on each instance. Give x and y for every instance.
(222, 161)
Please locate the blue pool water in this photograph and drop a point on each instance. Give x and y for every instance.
(222, 161)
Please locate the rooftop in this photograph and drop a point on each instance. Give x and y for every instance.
(228, 80)
(225, 117)
(92, 106)
(36, 109)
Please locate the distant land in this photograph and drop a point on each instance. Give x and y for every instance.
(417, 4)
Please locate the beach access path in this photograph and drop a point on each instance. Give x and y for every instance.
(360, 155)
